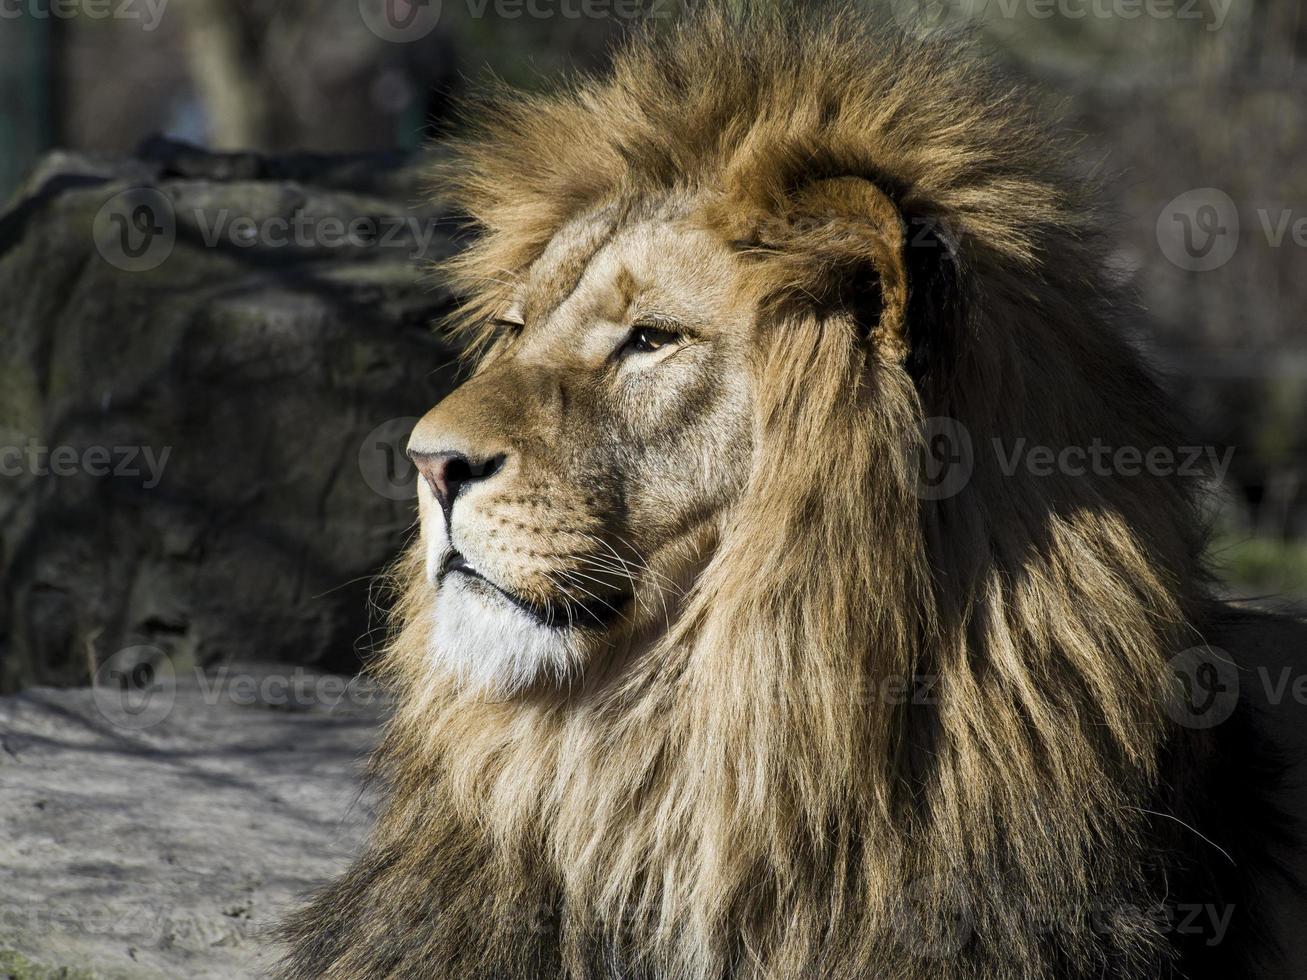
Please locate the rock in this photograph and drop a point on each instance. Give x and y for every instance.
(212, 363)
(161, 832)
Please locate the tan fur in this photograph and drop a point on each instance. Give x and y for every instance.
(748, 797)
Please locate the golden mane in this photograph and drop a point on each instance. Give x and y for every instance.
(878, 715)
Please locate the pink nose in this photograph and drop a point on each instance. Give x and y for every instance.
(449, 473)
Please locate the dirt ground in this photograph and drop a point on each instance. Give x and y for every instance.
(159, 833)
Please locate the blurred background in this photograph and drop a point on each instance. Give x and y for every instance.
(262, 369)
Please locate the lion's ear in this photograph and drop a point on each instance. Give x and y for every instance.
(839, 242)
(861, 256)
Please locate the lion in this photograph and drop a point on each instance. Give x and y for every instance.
(730, 648)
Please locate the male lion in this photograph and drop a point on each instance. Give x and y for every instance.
(697, 676)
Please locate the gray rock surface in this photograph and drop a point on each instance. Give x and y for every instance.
(211, 364)
(157, 832)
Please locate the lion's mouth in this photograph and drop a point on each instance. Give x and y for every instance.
(592, 612)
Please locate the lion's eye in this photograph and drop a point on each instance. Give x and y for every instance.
(645, 340)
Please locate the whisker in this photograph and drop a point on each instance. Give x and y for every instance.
(605, 566)
(622, 561)
(582, 606)
(664, 585)
(644, 564)
(566, 605)
(630, 577)
(571, 575)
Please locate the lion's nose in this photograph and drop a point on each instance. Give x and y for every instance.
(449, 472)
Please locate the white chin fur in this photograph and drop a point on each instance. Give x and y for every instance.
(490, 644)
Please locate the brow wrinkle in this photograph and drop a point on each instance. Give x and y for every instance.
(562, 276)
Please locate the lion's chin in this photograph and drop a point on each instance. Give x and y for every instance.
(489, 643)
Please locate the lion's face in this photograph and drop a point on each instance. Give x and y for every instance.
(574, 485)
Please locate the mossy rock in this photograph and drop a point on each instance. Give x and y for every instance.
(240, 387)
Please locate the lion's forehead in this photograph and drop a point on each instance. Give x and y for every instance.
(558, 271)
(598, 272)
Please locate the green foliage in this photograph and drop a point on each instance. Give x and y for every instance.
(1263, 563)
(15, 966)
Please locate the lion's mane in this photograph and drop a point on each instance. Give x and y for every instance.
(760, 797)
